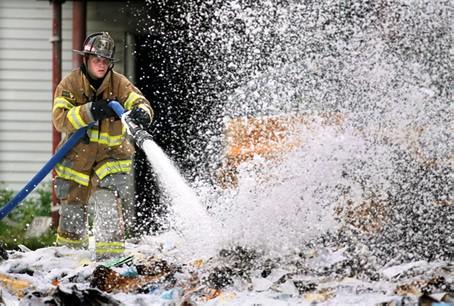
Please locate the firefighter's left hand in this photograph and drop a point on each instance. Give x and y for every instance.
(141, 116)
(101, 110)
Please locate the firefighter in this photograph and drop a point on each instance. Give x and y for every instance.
(98, 168)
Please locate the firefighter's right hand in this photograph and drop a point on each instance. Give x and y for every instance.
(101, 110)
(140, 116)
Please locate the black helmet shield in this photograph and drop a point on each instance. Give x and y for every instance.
(99, 44)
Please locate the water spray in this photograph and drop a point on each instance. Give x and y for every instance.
(190, 217)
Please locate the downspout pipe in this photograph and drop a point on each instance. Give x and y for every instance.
(79, 29)
(56, 41)
(79, 21)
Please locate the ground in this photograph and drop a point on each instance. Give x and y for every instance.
(157, 273)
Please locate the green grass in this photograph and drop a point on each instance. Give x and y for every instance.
(13, 228)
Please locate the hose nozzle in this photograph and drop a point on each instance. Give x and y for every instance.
(135, 130)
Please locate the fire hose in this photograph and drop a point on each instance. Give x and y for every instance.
(133, 130)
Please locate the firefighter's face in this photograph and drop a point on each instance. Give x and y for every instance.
(97, 66)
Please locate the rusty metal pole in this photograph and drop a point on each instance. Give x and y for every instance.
(56, 78)
(79, 29)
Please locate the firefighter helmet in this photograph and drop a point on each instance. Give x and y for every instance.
(99, 44)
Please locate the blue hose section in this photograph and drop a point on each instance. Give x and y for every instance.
(44, 171)
(116, 106)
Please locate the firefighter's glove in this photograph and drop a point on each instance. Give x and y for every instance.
(140, 116)
(101, 110)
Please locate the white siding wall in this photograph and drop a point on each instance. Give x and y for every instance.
(26, 86)
(26, 77)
